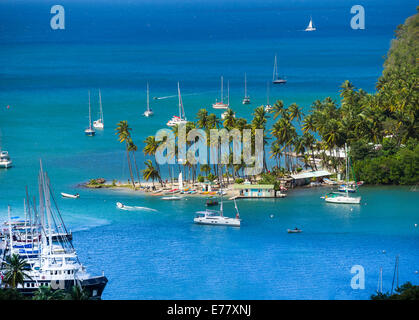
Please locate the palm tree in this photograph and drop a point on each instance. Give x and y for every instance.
(77, 293)
(150, 149)
(47, 293)
(150, 172)
(229, 119)
(203, 119)
(277, 108)
(124, 135)
(14, 270)
(133, 148)
(205, 168)
(295, 112)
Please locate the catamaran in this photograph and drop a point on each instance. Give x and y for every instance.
(182, 118)
(338, 197)
(5, 161)
(310, 26)
(216, 218)
(268, 107)
(149, 112)
(276, 79)
(90, 131)
(99, 124)
(246, 99)
(220, 104)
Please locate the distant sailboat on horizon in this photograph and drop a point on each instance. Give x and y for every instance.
(310, 26)
(276, 79)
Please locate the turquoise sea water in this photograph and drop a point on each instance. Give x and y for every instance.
(45, 75)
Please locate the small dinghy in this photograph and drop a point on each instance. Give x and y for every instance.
(72, 196)
(119, 205)
(295, 230)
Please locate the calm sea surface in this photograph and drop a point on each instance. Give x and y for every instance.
(45, 76)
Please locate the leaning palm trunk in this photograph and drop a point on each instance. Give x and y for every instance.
(130, 168)
(136, 168)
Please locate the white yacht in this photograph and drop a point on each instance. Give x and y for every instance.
(149, 112)
(51, 262)
(220, 104)
(214, 217)
(99, 124)
(90, 131)
(337, 197)
(5, 161)
(181, 119)
(310, 26)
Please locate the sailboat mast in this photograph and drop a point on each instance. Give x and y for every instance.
(245, 85)
(100, 104)
(347, 170)
(275, 70)
(228, 93)
(222, 89)
(148, 97)
(10, 229)
(181, 110)
(267, 89)
(90, 114)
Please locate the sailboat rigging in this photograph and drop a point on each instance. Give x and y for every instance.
(246, 99)
(149, 112)
(90, 131)
(99, 124)
(276, 79)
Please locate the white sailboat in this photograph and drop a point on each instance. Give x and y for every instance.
(181, 119)
(276, 79)
(216, 218)
(268, 107)
(149, 112)
(90, 131)
(338, 197)
(310, 26)
(220, 104)
(246, 99)
(99, 124)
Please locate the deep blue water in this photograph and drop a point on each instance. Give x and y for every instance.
(45, 75)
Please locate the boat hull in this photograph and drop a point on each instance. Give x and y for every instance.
(344, 200)
(214, 222)
(93, 286)
(6, 164)
(279, 81)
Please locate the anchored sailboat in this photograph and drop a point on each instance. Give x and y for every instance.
(149, 112)
(90, 131)
(310, 26)
(220, 104)
(338, 197)
(276, 79)
(182, 118)
(268, 107)
(246, 99)
(98, 124)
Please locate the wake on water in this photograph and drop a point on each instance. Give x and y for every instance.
(133, 208)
